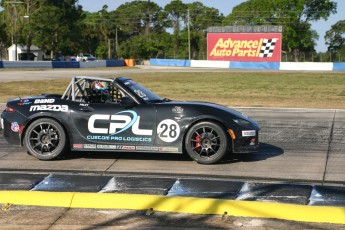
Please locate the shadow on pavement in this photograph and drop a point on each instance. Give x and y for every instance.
(265, 151)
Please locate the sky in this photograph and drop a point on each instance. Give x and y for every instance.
(225, 7)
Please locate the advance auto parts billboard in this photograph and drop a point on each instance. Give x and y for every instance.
(244, 47)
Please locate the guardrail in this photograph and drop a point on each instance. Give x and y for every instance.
(311, 66)
(61, 64)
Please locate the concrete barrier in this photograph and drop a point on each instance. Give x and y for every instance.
(61, 64)
(93, 64)
(65, 64)
(309, 66)
(313, 66)
(339, 66)
(211, 64)
(170, 62)
(254, 65)
(27, 64)
(114, 63)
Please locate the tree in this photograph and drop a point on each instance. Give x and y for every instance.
(175, 13)
(57, 25)
(200, 18)
(3, 34)
(294, 15)
(139, 28)
(335, 37)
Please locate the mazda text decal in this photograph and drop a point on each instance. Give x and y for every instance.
(56, 108)
(117, 124)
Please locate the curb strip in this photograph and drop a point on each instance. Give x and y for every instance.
(191, 205)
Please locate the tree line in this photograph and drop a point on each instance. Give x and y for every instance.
(142, 29)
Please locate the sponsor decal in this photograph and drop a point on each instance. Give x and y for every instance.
(116, 147)
(146, 148)
(255, 47)
(44, 101)
(89, 146)
(177, 109)
(55, 108)
(24, 102)
(83, 105)
(118, 123)
(118, 138)
(141, 94)
(252, 141)
(168, 130)
(248, 133)
(15, 127)
(77, 146)
(126, 147)
(168, 149)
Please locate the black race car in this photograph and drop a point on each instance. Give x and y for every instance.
(119, 115)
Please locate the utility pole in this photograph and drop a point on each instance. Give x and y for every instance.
(188, 26)
(15, 17)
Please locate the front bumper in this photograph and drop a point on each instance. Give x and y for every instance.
(246, 144)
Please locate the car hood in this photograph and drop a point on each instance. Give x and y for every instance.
(213, 106)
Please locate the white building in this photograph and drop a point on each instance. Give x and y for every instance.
(36, 53)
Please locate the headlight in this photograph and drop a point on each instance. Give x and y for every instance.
(241, 122)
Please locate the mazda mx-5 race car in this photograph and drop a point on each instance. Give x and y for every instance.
(119, 115)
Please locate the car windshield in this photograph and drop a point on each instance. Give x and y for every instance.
(142, 92)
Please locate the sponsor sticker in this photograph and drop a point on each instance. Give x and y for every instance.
(248, 133)
(146, 148)
(128, 147)
(15, 127)
(55, 108)
(119, 123)
(77, 146)
(24, 102)
(177, 109)
(168, 130)
(44, 101)
(90, 146)
(168, 149)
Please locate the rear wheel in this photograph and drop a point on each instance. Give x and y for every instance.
(206, 142)
(45, 139)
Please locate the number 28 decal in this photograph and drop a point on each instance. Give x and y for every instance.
(168, 130)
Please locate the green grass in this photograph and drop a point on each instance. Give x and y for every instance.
(259, 89)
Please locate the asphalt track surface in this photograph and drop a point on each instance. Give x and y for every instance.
(301, 149)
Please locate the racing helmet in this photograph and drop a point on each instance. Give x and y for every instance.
(99, 87)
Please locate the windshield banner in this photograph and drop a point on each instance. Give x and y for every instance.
(245, 47)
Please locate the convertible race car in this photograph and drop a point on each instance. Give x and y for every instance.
(119, 115)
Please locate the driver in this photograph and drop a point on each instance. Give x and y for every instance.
(101, 91)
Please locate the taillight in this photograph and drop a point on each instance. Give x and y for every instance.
(9, 109)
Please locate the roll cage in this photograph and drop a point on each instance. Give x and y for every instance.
(81, 89)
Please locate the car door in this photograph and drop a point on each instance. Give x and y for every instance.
(113, 126)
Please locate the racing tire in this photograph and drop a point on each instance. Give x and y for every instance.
(206, 142)
(45, 139)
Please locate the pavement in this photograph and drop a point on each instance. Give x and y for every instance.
(298, 172)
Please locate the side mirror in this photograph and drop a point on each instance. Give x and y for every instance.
(127, 102)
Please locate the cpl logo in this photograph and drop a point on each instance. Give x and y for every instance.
(118, 123)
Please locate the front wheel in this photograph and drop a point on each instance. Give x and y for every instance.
(206, 142)
(45, 139)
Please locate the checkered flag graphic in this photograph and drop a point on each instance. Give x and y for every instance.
(267, 47)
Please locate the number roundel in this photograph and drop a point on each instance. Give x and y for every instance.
(168, 130)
